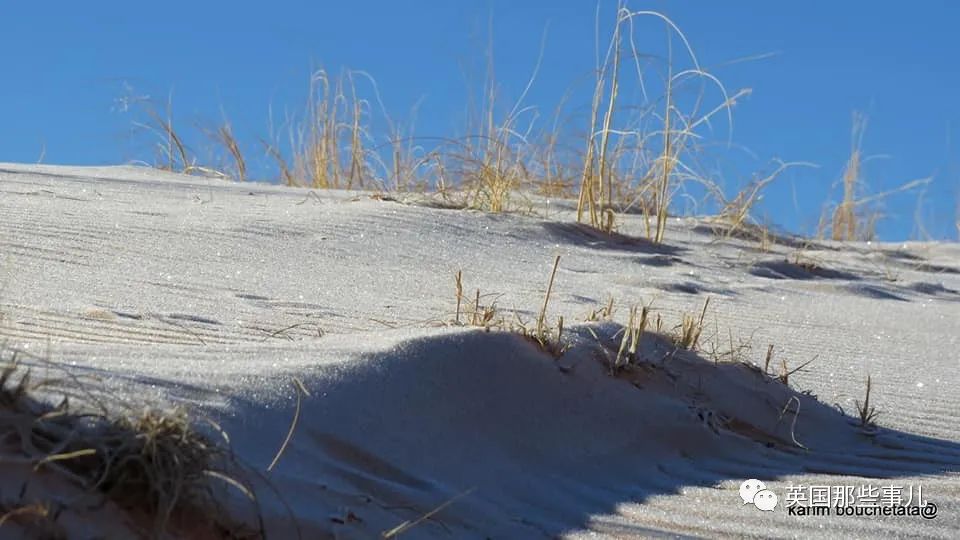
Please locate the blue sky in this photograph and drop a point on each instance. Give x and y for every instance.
(66, 64)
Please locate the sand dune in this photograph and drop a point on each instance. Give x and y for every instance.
(225, 297)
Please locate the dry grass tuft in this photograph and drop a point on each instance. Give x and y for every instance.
(171, 150)
(328, 148)
(602, 313)
(484, 316)
(224, 136)
(690, 329)
(728, 351)
(785, 372)
(632, 333)
(546, 337)
(801, 259)
(543, 333)
(846, 223)
(473, 313)
(736, 212)
(853, 218)
(155, 464)
(645, 139)
(657, 157)
(172, 153)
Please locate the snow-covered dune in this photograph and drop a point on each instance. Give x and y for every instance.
(255, 305)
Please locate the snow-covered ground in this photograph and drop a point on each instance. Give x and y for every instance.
(225, 297)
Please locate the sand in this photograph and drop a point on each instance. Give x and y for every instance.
(218, 296)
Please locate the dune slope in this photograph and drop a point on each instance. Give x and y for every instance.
(254, 304)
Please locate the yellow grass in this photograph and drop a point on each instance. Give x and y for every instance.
(636, 150)
(854, 218)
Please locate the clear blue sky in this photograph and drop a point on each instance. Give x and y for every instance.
(65, 64)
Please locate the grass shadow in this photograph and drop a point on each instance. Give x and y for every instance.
(587, 236)
(680, 420)
(784, 269)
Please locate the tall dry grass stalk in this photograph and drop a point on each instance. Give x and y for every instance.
(866, 412)
(635, 153)
(328, 147)
(172, 153)
(736, 212)
(853, 218)
(632, 333)
(493, 163)
(845, 222)
(224, 137)
(642, 143)
(171, 150)
(654, 159)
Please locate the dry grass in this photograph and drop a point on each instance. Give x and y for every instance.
(409, 524)
(483, 316)
(727, 349)
(472, 312)
(494, 161)
(157, 465)
(602, 313)
(865, 411)
(785, 372)
(630, 341)
(634, 153)
(224, 136)
(736, 212)
(690, 329)
(856, 217)
(801, 258)
(543, 333)
(171, 151)
(640, 145)
(35, 519)
(657, 157)
(328, 146)
(846, 224)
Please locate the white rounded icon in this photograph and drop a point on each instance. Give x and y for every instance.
(749, 489)
(765, 500)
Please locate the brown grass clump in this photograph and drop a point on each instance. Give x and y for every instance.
(690, 329)
(736, 212)
(853, 218)
(545, 336)
(155, 464)
(632, 154)
(644, 140)
(629, 343)
(658, 157)
(846, 223)
(478, 314)
(329, 145)
(224, 136)
(602, 313)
